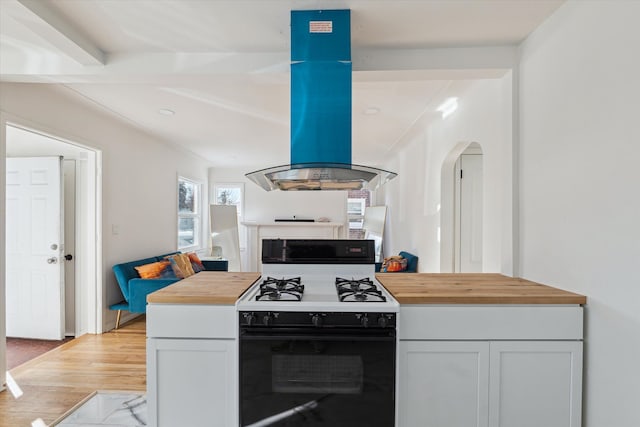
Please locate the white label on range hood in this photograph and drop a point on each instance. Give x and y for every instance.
(320, 26)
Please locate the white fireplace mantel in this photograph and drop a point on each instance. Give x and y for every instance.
(256, 231)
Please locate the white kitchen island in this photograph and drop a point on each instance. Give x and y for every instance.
(477, 350)
(192, 350)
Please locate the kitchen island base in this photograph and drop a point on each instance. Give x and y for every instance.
(512, 359)
(490, 365)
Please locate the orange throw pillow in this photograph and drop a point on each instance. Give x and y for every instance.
(153, 270)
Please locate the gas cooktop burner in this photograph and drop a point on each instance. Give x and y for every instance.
(272, 284)
(360, 290)
(272, 289)
(346, 285)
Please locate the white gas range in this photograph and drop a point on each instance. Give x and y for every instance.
(317, 338)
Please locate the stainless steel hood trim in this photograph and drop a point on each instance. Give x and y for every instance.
(320, 176)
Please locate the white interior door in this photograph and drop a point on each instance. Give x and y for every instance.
(469, 215)
(34, 247)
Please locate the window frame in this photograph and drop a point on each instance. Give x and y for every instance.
(196, 215)
(355, 217)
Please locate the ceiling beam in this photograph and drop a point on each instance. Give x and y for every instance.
(59, 31)
(451, 58)
(420, 64)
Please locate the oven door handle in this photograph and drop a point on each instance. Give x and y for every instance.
(314, 335)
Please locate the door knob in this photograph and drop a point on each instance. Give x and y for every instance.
(52, 260)
(68, 257)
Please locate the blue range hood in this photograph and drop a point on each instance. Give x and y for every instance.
(320, 110)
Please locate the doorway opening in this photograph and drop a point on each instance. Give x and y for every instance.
(461, 220)
(77, 251)
(22, 350)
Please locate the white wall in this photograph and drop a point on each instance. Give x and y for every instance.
(139, 175)
(414, 197)
(580, 203)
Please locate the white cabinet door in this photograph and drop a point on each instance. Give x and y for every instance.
(443, 383)
(535, 383)
(191, 382)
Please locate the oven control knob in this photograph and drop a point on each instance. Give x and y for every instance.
(316, 319)
(250, 318)
(364, 320)
(383, 322)
(267, 319)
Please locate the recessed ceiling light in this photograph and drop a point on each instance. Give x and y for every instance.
(166, 112)
(371, 111)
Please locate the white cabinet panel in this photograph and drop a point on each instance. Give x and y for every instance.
(535, 384)
(191, 382)
(191, 321)
(490, 322)
(443, 384)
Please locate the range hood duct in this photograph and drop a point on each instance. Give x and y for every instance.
(320, 110)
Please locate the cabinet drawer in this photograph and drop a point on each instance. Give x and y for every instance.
(191, 321)
(490, 322)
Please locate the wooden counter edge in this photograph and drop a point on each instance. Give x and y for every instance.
(194, 299)
(161, 296)
(467, 300)
(562, 297)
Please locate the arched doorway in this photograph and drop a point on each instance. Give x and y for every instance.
(461, 219)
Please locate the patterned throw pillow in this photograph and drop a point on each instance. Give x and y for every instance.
(181, 265)
(152, 271)
(168, 272)
(394, 263)
(196, 264)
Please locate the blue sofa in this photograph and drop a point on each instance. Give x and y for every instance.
(135, 290)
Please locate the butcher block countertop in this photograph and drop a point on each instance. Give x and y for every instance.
(472, 288)
(206, 287)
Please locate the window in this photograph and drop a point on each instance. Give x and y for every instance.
(189, 214)
(357, 201)
(230, 194)
(355, 211)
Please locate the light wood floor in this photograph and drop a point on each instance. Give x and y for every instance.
(56, 381)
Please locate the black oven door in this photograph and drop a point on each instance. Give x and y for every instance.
(317, 377)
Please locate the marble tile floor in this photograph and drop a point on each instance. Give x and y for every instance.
(107, 408)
